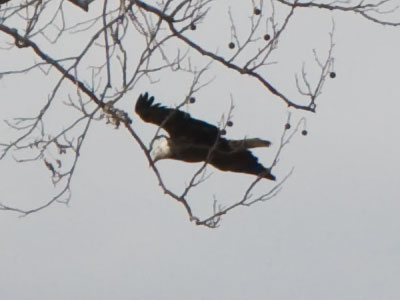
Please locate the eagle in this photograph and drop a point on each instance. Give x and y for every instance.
(193, 140)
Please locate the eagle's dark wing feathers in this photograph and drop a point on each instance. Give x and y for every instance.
(240, 161)
(178, 124)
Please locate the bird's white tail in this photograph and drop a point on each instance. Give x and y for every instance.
(248, 143)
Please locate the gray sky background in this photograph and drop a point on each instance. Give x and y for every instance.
(332, 233)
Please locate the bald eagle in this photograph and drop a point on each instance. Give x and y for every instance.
(193, 140)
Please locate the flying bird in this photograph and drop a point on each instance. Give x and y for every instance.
(193, 140)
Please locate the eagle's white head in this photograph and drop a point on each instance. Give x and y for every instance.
(160, 148)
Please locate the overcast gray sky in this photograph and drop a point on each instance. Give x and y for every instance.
(332, 232)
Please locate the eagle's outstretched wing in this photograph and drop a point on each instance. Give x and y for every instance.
(240, 161)
(178, 124)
